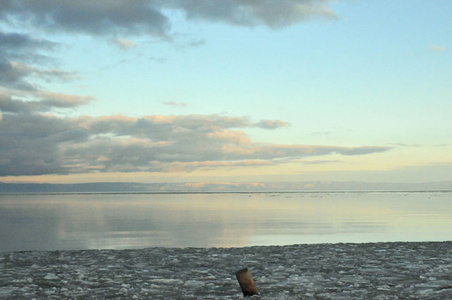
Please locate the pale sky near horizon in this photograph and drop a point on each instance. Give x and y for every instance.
(155, 91)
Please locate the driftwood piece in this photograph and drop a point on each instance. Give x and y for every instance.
(246, 282)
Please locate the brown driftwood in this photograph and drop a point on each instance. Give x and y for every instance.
(246, 282)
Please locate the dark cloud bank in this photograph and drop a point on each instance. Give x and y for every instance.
(35, 142)
(138, 16)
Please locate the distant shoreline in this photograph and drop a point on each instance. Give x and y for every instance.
(222, 187)
(226, 192)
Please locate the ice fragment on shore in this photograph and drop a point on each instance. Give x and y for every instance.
(51, 276)
(166, 281)
(193, 283)
(424, 293)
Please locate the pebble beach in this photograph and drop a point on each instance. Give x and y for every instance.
(412, 270)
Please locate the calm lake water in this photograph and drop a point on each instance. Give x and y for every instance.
(119, 221)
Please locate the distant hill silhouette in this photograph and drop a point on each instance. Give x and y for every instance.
(132, 187)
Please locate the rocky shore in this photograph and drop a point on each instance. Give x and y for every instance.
(323, 271)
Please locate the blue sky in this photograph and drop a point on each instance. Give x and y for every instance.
(232, 91)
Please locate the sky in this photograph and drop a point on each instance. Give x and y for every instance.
(225, 91)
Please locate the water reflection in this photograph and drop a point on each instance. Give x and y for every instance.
(95, 221)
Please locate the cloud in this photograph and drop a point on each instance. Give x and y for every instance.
(29, 144)
(33, 143)
(171, 167)
(126, 17)
(23, 47)
(102, 17)
(406, 145)
(19, 76)
(176, 104)
(193, 43)
(124, 44)
(13, 75)
(64, 100)
(268, 124)
(436, 48)
(319, 162)
(16, 52)
(18, 55)
(50, 74)
(196, 43)
(21, 73)
(273, 14)
(13, 41)
(48, 102)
